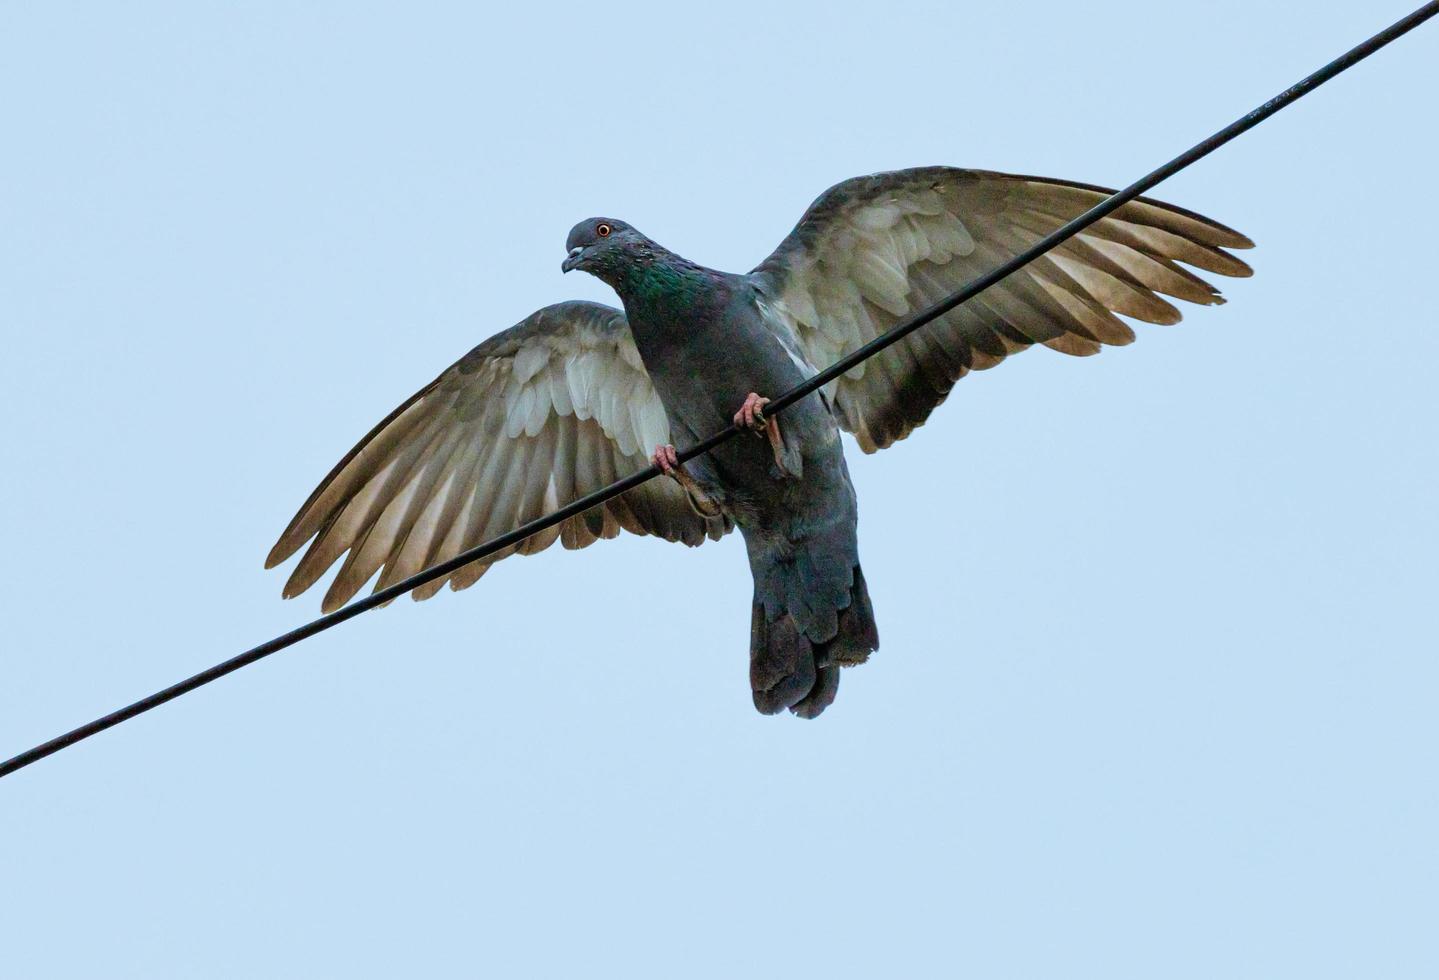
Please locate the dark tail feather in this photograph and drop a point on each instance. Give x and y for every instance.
(789, 670)
(858, 635)
(781, 662)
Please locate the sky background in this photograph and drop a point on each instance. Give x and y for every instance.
(1156, 696)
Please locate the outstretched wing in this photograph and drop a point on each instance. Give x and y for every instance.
(873, 249)
(554, 408)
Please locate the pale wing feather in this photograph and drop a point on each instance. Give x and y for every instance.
(874, 249)
(532, 419)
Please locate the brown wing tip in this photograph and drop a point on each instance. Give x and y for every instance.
(1242, 269)
(288, 543)
(1233, 239)
(1221, 235)
(427, 591)
(278, 554)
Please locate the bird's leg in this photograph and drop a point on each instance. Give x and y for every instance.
(668, 462)
(751, 416)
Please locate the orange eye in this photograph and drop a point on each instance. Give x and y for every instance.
(603, 230)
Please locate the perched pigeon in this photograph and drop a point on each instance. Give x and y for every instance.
(579, 394)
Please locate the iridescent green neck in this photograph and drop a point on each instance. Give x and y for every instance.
(666, 284)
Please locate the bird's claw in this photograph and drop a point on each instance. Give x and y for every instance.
(751, 414)
(668, 462)
(666, 459)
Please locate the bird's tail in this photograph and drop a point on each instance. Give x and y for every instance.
(811, 617)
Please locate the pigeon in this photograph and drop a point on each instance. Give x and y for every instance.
(579, 394)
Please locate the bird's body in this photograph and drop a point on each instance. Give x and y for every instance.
(707, 339)
(577, 394)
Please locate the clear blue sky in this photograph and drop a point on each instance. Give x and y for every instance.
(1156, 696)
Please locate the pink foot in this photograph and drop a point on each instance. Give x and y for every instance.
(669, 464)
(751, 413)
(666, 459)
(751, 416)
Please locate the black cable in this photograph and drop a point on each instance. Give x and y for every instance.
(899, 331)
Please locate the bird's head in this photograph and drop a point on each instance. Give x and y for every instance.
(605, 247)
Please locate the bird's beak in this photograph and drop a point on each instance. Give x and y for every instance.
(572, 260)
